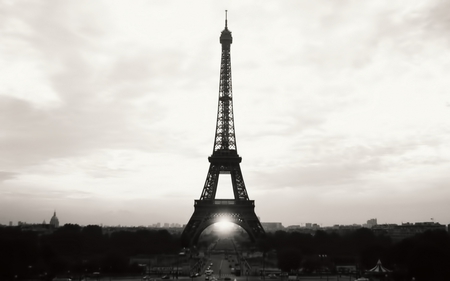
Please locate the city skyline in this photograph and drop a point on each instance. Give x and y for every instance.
(108, 109)
(224, 223)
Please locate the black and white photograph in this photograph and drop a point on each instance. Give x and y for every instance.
(224, 140)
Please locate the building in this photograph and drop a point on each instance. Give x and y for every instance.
(371, 223)
(405, 230)
(40, 228)
(54, 222)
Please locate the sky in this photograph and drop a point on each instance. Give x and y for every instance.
(108, 109)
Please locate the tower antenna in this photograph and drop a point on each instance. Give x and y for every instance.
(226, 20)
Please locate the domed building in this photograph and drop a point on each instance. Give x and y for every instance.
(54, 222)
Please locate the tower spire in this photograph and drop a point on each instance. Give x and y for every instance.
(225, 137)
(226, 20)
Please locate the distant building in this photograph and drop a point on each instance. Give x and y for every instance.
(312, 225)
(40, 228)
(405, 230)
(371, 223)
(293, 227)
(54, 222)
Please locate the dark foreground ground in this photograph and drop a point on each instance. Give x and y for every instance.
(239, 278)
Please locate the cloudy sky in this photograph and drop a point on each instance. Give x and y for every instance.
(108, 109)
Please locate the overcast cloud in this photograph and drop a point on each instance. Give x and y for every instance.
(108, 108)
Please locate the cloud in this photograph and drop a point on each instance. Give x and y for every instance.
(332, 163)
(4, 176)
(32, 135)
(99, 105)
(423, 20)
(109, 103)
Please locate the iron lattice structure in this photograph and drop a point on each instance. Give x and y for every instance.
(224, 160)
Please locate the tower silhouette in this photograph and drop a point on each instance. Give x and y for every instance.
(224, 160)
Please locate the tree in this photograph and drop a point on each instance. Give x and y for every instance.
(289, 259)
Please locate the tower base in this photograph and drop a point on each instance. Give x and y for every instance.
(208, 212)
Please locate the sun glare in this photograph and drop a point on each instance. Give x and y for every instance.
(224, 225)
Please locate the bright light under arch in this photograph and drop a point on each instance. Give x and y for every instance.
(224, 225)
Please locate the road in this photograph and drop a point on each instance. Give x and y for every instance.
(222, 260)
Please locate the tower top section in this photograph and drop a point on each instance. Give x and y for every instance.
(225, 37)
(225, 140)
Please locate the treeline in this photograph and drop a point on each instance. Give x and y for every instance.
(75, 250)
(425, 256)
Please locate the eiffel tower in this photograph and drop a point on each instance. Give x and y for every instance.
(224, 160)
